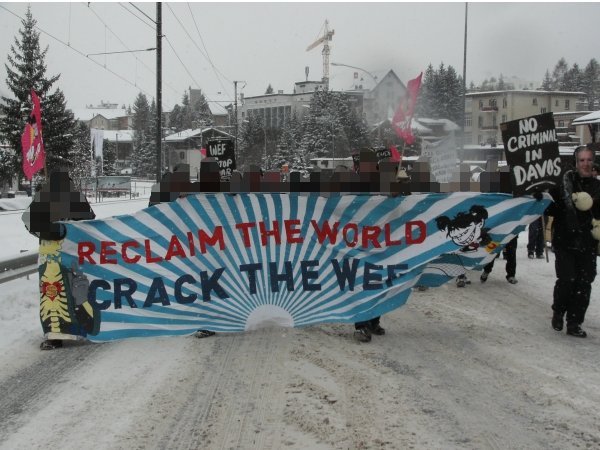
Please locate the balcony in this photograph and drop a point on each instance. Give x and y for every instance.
(488, 127)
(488, 108)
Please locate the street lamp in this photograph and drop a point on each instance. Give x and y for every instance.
(358, 68)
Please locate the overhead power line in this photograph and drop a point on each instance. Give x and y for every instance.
(146, 15)
(152, 71)
(196, 45)
(215, 70)
(136, 16)
(79, 52)
(124, 51)
(182, 63)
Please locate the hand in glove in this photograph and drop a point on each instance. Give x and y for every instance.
(548, 230)
(582, 200)
(596, 229)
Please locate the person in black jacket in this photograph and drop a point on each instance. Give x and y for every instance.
(575, 241)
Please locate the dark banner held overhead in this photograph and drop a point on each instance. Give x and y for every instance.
(223, 150)
(532, 154)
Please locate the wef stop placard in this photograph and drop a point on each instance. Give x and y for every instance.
(532, 154)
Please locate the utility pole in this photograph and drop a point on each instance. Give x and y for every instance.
(462, 150)
(158, 90)
(235, 147)
(235, 112)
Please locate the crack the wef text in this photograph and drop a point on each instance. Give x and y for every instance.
(346, 272)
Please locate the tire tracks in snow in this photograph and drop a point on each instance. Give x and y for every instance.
(235, 397)
(35, 384)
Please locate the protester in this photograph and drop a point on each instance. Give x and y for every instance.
(510, 255)
(535, 245)
(575, 241)
(462, 281)
(364, 330)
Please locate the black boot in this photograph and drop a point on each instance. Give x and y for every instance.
(557, 321)
(576, 331)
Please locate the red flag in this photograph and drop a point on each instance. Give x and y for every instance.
(403, 116)
(396, 156)
(32, 144)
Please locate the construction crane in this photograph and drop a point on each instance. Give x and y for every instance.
(324, 39)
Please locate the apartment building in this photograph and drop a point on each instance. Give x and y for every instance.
(375, 105)
(485, 111)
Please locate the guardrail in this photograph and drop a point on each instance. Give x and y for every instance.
(20, 266)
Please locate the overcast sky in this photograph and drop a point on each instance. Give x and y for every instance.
(262, 43)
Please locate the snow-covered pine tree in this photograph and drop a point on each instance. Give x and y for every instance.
(573, 79)
(426, 100)
(175, 118)
(81, 155)
(201, 114)
(251, 142)
(141, 117)
(26, 70)
(441, 94)
(187, 113)
(109, 160)
(558, 74)
(547, 82)
(148, 149)
(591, 84)
(331, 128)
(287, 141)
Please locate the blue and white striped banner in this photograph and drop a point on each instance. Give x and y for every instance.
(229, 263)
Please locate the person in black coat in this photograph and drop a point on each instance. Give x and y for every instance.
(575, 237)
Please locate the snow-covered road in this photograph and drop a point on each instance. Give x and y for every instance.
(474, 368)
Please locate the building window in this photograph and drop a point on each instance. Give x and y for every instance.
(534, 101)
(504, 102)
(561, 123)
(504, 117)
(182, 155)
(480, 104)
(494, 120)
(567, 105)
(543, 110)
(468, 120)
(492, 102)
(556, 103)
(480, 121)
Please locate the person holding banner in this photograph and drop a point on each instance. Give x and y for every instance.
(576, 232)
(510, 255)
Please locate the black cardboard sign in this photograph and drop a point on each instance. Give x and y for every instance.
(223, 150)
(531, 150)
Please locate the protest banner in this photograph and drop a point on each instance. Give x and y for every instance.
(230, 263)
(531, 150)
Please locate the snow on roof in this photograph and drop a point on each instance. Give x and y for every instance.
(593, 117)
(181, 136)
(87, 114)
(521, 91)
(123, 135)
(448, 124)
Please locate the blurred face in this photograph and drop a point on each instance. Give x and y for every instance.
(585, 162)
